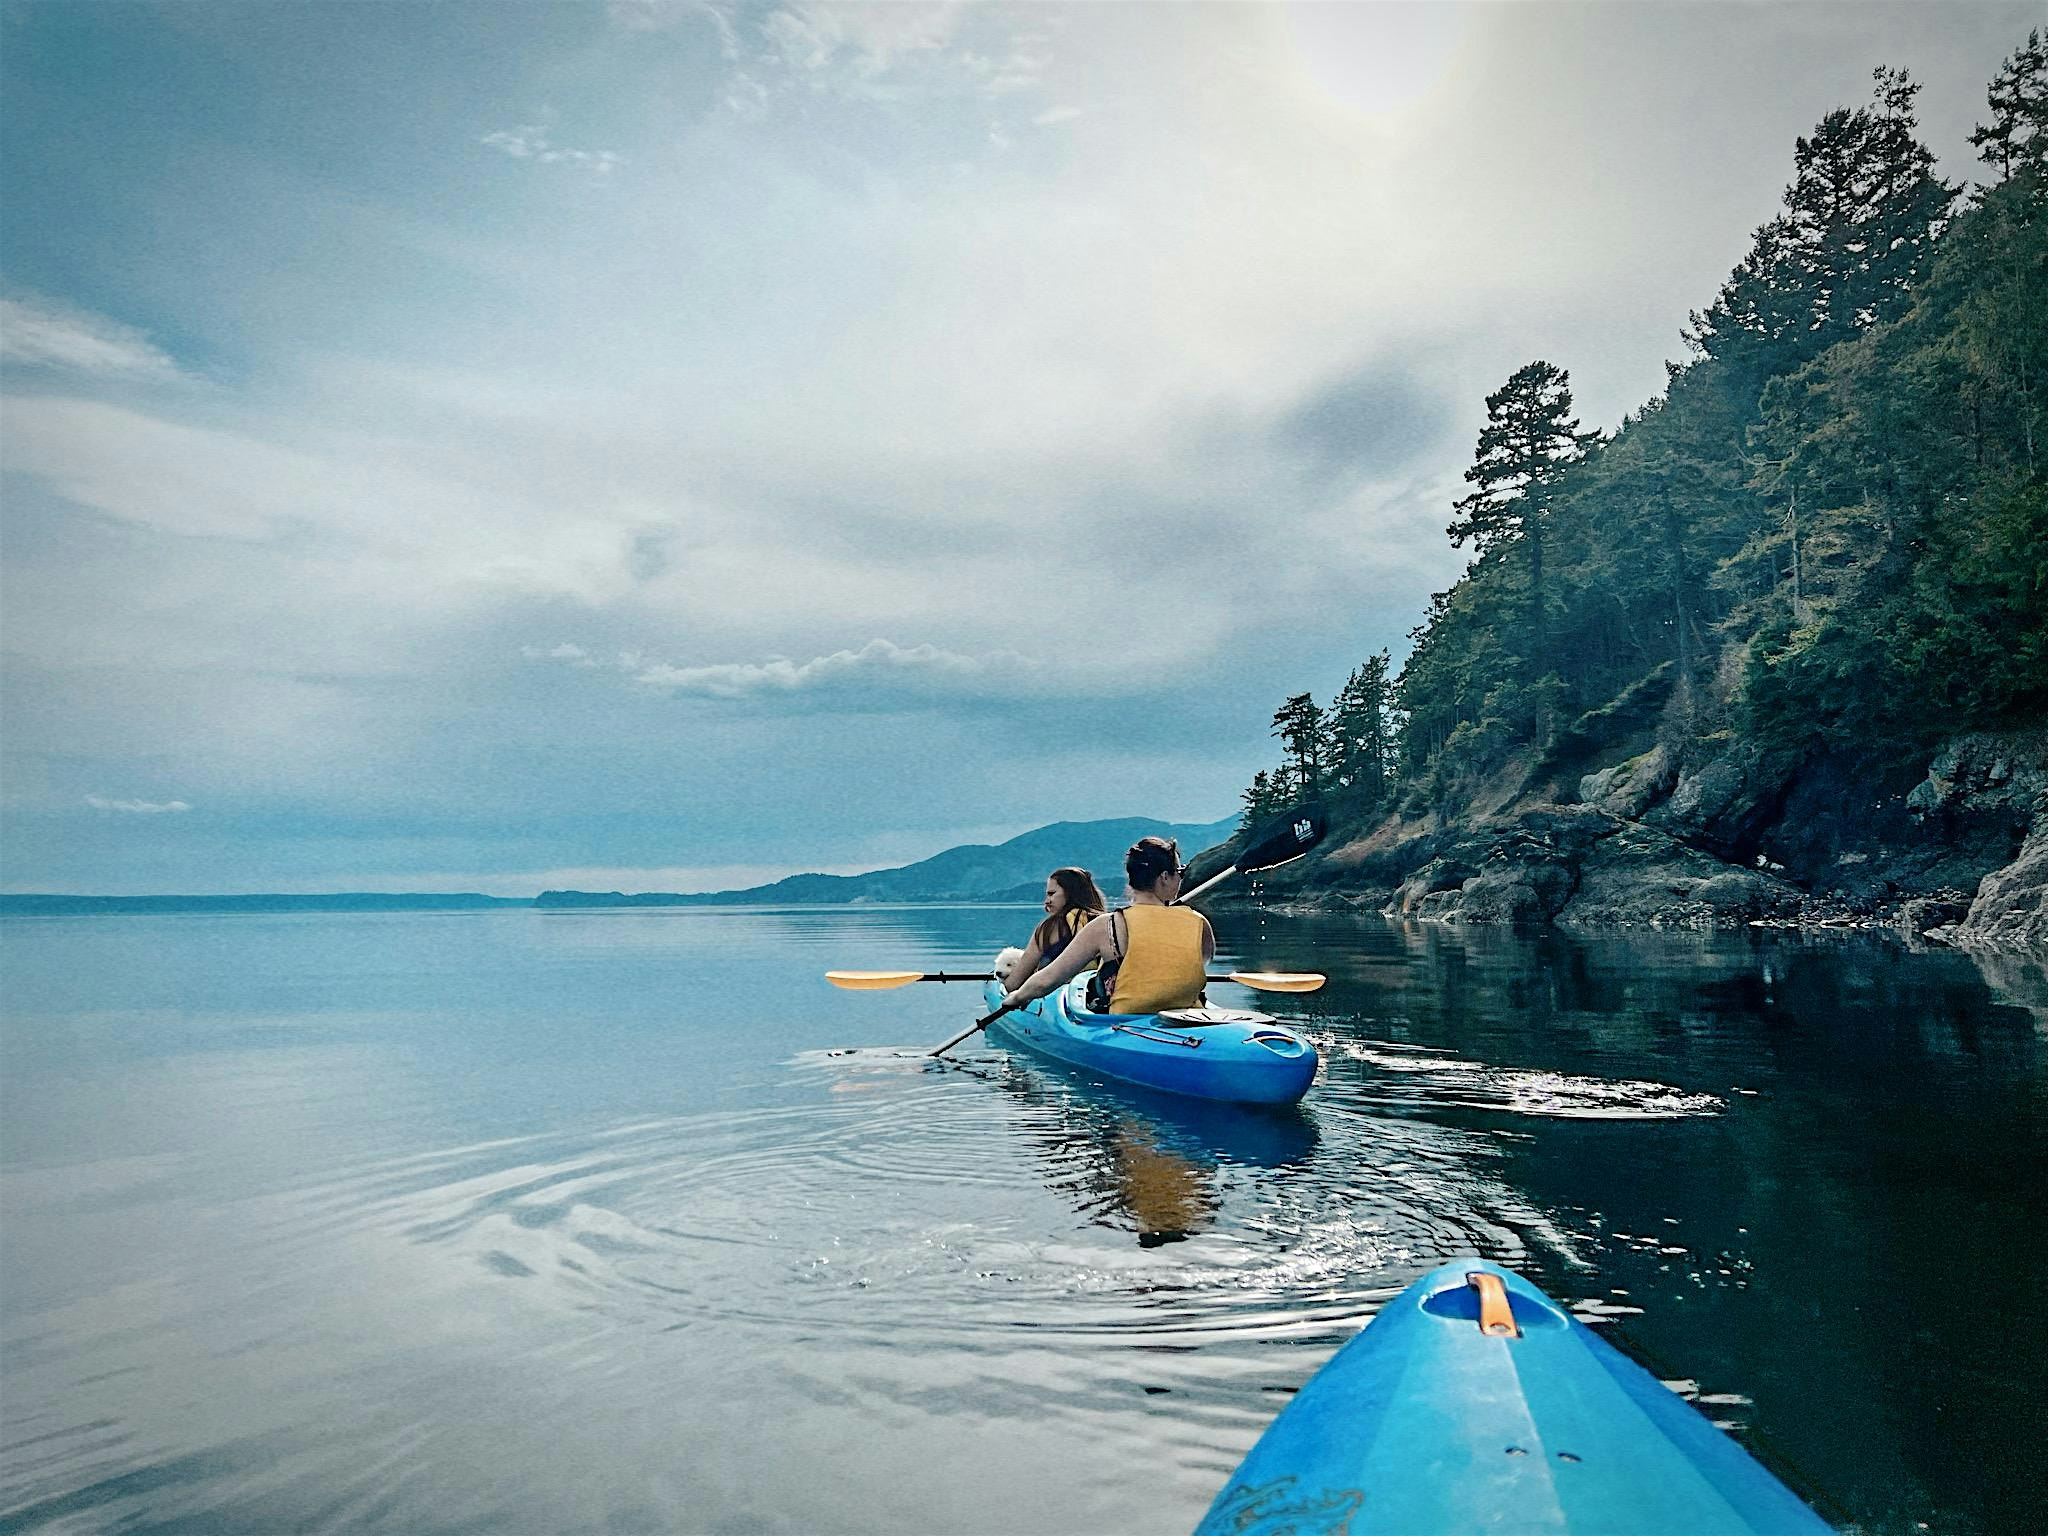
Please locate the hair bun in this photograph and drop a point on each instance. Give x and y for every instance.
(1148, 859)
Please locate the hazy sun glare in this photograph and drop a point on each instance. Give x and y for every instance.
(1374, 58)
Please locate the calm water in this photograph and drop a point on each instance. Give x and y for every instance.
(542, 1222)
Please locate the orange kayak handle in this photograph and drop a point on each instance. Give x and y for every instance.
(1496, 1319)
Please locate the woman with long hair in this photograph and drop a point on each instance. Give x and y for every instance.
(1071, 899)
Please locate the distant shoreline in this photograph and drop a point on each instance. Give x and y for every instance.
(971, 874)
(52, 905)
(49, 905)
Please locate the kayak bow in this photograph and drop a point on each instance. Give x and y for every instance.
(1474, 1402)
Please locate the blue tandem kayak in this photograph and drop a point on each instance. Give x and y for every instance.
(1209, 1053)
(1474, 1403)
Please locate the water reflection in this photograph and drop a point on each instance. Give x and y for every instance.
(534, 1222)
(1150, 1161)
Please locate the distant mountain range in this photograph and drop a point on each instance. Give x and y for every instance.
(1012, 871)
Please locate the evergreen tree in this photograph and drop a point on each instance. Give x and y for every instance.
(1760, 312)
(1904, 206)
(2016, 139)
(1361, 745)
(1831, 528)
(1258, 802)
(1529, 439)
(1299, 723)
(1861, 214)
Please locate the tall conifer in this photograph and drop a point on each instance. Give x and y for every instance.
(1529, 438)
(2016, 138)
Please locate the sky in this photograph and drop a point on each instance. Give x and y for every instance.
(669, 444)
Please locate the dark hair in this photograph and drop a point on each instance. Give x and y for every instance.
(1148, 859)
(1082, 896)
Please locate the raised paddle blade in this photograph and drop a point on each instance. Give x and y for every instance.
(872, 981)
(1278, 981)
(1278, 842)
(1283, 840)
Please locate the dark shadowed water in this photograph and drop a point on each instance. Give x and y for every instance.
(526, 1222)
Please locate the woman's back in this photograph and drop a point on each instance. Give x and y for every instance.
(1163, 964)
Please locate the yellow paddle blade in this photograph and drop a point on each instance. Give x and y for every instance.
(1279, 981)
(872, 981)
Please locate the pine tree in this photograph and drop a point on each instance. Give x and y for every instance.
(2016, 139)
(1530, 437)
(1905, 206)
(1361, 745)
(1258, 802)
(1299, 723)
(1861, 215)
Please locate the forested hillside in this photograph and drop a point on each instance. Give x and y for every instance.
(1787, 627)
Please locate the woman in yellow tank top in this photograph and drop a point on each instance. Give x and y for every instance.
(1159, 953)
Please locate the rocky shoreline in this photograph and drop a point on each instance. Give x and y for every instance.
(1952, 849)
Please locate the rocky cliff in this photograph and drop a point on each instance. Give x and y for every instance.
(1953, 845)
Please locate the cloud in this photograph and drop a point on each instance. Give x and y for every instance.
(1383, 415)
(531, 142)
(393, 523)
(1143, 400)
(874, 54)
(879, 662)
(137, 807)
(144, 469)
(667, 15)
(39, 334)
(571, 653)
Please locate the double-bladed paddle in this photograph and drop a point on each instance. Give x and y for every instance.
(884, 981)
(1278, 842)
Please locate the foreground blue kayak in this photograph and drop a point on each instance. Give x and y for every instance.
(1210, 1053)
(1473, 1403)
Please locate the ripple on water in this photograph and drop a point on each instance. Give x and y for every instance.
(956, 1208)
(1410, 1075)
(918, 1236)
(983, 1237)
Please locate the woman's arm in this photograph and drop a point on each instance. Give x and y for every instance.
(1087, 946)
(1208, 942)
(1026, 962)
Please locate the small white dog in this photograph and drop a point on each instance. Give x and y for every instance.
(1006, 962)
